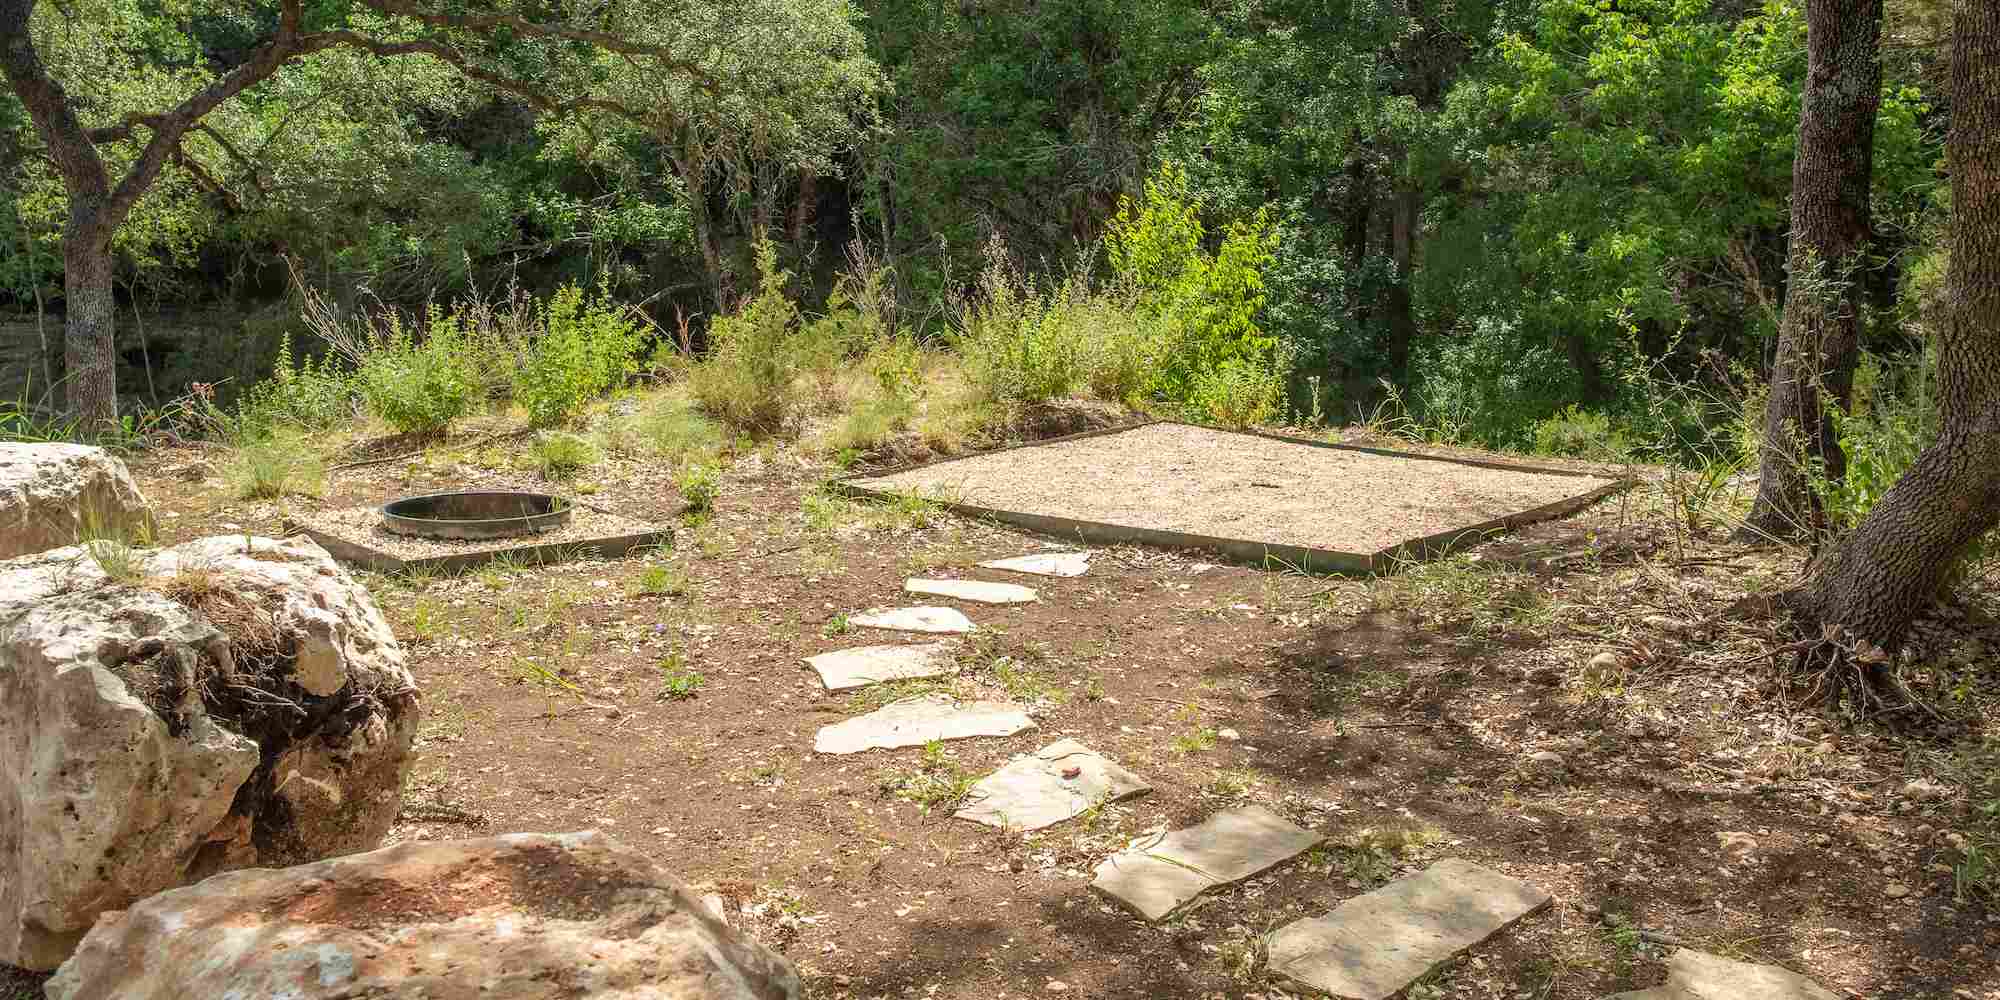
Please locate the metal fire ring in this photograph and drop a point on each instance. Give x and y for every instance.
(476, 515)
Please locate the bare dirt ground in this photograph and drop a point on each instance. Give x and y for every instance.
(1668, 793)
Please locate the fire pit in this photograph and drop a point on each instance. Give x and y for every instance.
(476, 515)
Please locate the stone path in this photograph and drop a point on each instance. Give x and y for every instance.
(1160, 873)
(1060, 564)
(1368, 948)
(973, 590)
(1376, 944)
(847, 669)
(914, 722)
(913, 619)
(1044, 788)
(1696, 975)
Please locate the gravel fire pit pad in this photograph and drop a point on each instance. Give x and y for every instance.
(1249, 496)
(355, 535)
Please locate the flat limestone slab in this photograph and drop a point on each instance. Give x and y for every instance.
(1697, 975)
(1375, 944)
(1060, 564)
(973, 590)
(913, 619)
(1038, 789)
(914, 722)
(1159, 874)
(847, 669)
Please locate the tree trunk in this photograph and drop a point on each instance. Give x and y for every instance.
(1819, 335)
(803, 209)
(1404, 216)
(90, 322)
(1877, 579)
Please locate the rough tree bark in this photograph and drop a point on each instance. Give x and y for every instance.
(1819, 335)
(1873, 582)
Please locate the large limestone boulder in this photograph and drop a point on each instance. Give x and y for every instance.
(166, 715)
(519, 917)
(53, 495)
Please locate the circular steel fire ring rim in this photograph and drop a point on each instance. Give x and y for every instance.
(476, 514)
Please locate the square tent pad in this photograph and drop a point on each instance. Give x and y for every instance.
(1252, 497)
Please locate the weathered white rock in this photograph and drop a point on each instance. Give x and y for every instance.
(118, 781)
(846, 669)
(1695, 975)
(1375, 944)
(973, 590)
(1048, 786)
(1059, 564)
(913, 619)
(520, 917)
(1159, 873)
(52, 495)
(914, 722)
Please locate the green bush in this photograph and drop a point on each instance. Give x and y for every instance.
(584, 349)
(1238, 393)
(751, 378)
(309, 393)
(1575, 432)
(558, 456)
(420, 387)
(700, 484)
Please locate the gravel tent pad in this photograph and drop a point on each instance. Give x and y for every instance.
(1252, 497)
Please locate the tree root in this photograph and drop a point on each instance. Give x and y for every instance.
(1839, 670)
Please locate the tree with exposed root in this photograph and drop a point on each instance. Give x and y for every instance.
(1819, 334)
(1862, 592)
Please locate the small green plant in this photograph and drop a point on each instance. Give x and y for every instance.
(424, 618)
(677, 681)
(661, 580)
(558, 456)
(699, 484)
(1199, 739)
(304, 392)
(584, 349)
(1976, 876)
(277, 465)
(875, 696)
(939, 783)
(837, 625)
(1575, 432)
(421, 386)
(122, 562)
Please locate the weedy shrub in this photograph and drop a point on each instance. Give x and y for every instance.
(700, 484)
(751, 377)
(1579, 433)
(310, 393)
(585, 348)
(558, 456)
(277, 463)
(1239, 393)
(421, 386)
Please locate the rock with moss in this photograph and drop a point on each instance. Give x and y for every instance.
(519, 917)
(52, 495)
(169, 714)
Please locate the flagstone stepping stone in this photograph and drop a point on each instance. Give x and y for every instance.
(1375, 944)
(1697, 975)
(1048, 786)
(914, 722)
(913, 619)
(847, 669)
(1063, 564)
(1159, 873)
(973, 590)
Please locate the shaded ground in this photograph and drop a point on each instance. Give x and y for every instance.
(1400, 718)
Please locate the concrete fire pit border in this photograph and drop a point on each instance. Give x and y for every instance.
(1269, 555)
(353, 536)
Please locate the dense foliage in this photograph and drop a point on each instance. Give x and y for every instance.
(1520, 217)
